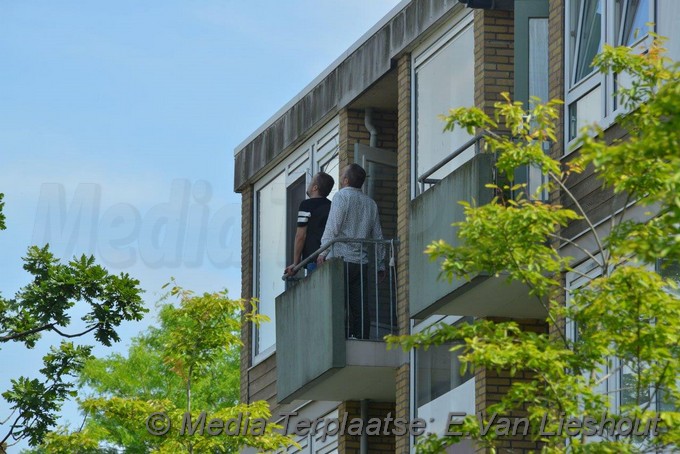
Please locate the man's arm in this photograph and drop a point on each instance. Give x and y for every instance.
(300, 237)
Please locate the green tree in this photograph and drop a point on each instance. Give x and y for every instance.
(45, 305)
(627, 318)
(188, 364)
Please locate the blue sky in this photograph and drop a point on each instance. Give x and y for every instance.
(127, 114)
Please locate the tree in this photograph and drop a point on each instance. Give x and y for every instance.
(45, 305)
(189, 364)
(627, 318)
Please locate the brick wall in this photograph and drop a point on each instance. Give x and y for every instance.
(377, 444)
(494, 63)
(556, 65)
(556, 90)
(491, 386)
(403, 206)
(353, 130)
(246, 283)
(494, 74)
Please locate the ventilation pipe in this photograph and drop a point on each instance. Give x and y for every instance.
(368, 121)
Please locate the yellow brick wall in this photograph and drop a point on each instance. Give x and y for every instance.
(403, 204)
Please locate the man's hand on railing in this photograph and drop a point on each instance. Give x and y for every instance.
(320, 259)
(288, 272)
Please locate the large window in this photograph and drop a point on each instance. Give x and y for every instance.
(438, 372)
(271, 255)
(590, 24)
(443, 78)
(440, 387)
(277, 198)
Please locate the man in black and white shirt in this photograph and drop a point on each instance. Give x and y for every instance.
(354, 215)
(311, 221)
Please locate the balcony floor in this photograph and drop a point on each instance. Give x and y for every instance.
(370, 373)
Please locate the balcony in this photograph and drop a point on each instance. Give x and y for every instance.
(316, 356)
(431, 216)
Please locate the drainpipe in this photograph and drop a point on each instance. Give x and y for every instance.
(363, 447)
(368, 121)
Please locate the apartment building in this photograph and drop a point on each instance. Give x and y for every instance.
(378, 105)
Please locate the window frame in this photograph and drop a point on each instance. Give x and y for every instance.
(413, 373)
(258, 355)
(611, 33)
(304, 160)
(613, 384)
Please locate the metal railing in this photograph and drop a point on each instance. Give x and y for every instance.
(425, 177)
(532, 180)
(369, 284)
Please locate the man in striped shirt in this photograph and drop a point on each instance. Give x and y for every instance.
(355, 215)
(311, 221)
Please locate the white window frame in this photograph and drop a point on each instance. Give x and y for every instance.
(257, 355)
(611, 33)
(304, 160)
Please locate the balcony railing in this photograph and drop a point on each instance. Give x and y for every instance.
(430, 218)
(369, 282)
(426, 177)
(528, 175)
(320, 353)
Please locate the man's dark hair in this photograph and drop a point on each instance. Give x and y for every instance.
(325, 183)
(356, 175)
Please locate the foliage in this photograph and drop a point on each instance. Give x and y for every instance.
(624, 320)
(2, 216)
(45, 305)
(189, 363)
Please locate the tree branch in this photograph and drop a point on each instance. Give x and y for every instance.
(46, 327)
(8, 418)
(11, 430)
(545, 306)
(71, 336)
(586, 218)
(37, 329)
(576, 245)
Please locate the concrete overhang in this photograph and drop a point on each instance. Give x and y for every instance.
(488, 296)
(357, 70)
(369, 373)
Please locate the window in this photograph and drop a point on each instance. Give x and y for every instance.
(670, 271)
(531, 76)
(439, 385)
(443, 78)
(618, 379)
(590, 24)
(270, 256)
(332, 168)
(589, 37)
(633, 17)
(438, 372)
(277, 197)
